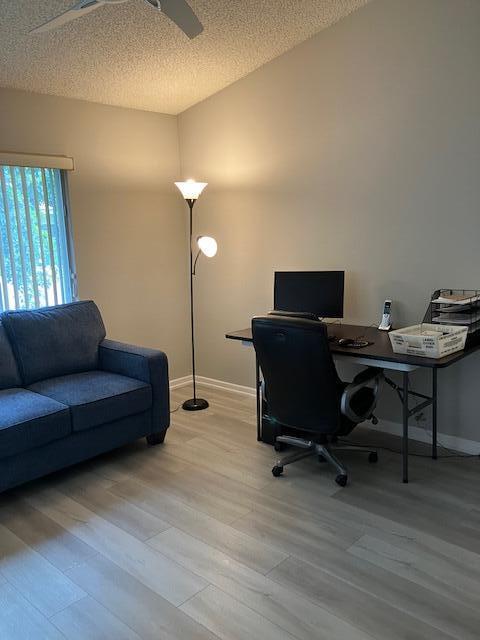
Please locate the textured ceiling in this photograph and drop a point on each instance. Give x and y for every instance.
(128, 55)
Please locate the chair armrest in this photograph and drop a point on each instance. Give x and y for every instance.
(367, 375)
(147, 365)
(362, 380)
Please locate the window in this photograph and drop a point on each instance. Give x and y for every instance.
(36, 257)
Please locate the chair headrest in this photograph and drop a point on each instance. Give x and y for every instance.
(290, 322)
(305, 315)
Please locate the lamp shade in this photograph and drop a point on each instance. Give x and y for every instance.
(207, 245)
(190, 189)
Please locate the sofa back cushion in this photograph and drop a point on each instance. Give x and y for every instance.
(9, 375)
(55, 341)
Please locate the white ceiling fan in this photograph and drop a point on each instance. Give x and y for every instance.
(179, 11)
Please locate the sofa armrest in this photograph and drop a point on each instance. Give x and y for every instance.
(141, 363)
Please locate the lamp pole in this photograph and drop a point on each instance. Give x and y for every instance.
(195, 404)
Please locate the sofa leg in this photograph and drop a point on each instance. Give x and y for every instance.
(156, 438)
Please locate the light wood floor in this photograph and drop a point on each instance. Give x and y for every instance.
(195, 540)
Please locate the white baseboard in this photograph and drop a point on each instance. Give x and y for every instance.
(387, 426)
(214, 384)
(228, 386)
(180, 382)
(425, 435)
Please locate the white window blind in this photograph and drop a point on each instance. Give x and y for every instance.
(36, 257)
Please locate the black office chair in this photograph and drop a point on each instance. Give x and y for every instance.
(304, 393)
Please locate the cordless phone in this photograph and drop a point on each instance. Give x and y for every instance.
(386, 322)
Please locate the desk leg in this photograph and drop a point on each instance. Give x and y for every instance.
(258, 388)
(434, 414)
(405, 427)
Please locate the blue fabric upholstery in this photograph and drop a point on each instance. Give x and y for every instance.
(9, 376)
(82, 400)
(28, 420)
(79, 446)
(97, 397)
(55, 341)
(149, 365)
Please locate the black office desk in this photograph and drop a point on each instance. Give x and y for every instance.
(379, 354)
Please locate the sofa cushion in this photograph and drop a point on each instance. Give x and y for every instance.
(55, 341)
(29, 420)
(97, 397)
(9, 376)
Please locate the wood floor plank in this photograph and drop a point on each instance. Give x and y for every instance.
(226, 499)
(420, 600)
(20, 621)
(247, 549)
(234, 499)
(299, 616)
(308, 537)
(42, 584)
(116, 510)
(88, 620)
(41, 533)
(391, 503)
(226, 464)
(180, 433)
(343, 513)
(181, 487)
(428, 570)
(229, 619)
(431, 550)
(237, 429)
(375, 616)
(238, 551)
(156, 571)
(148, 614)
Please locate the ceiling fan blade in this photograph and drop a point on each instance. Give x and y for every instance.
(180, 12)
(77, 11)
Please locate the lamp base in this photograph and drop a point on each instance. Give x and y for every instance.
(195, 404)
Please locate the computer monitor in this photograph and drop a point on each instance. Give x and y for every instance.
(318, 292)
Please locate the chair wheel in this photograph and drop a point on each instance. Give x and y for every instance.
(278, 446)
(341, 480)
(374, 420)
(373, 457)
(277, 471)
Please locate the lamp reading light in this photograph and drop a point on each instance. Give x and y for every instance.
(207, 245)
(190, 189)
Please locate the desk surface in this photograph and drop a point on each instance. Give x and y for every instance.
(381, 349)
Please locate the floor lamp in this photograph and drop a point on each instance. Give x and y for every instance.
(191, 191)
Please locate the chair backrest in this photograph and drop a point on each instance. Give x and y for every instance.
(301, 382)
(55, 341)
(9, 375)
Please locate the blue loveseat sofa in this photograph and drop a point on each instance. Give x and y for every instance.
(67, 394)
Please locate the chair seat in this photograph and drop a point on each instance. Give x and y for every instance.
(97, 397)
(29, 420)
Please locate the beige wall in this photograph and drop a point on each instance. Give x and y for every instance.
(128, 222)
(357, 150)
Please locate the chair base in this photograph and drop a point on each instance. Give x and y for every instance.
(324, 453)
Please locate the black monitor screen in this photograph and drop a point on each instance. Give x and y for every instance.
(318, 292)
